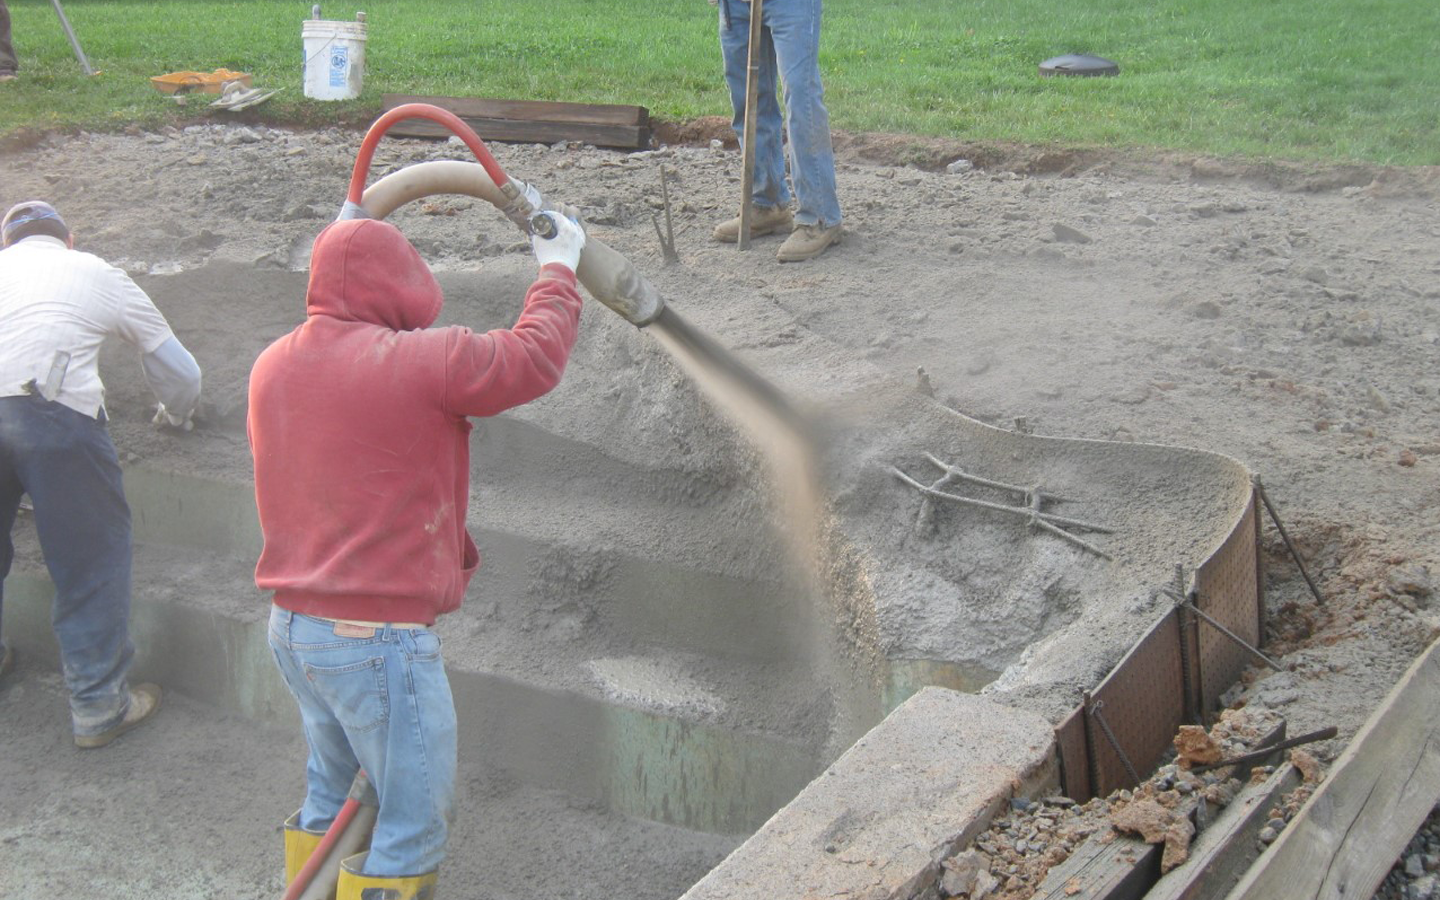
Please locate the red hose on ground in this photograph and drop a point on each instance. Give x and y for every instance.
(322, 850)
(444, 117)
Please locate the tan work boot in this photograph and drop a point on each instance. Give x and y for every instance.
(807, 242)
(766, 220)
(144, 700)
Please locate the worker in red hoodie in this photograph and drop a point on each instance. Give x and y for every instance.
(359, 425)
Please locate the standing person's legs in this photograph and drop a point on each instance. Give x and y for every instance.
(10, 492)
(331, 765)
(382, 703)
(9, 65)
(770, 189)
(795, 26)
(67, 464)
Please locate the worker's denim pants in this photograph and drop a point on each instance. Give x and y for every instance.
(381, 703)
(790, 39)
(66, 462)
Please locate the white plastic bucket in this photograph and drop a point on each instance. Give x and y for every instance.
(334, 59)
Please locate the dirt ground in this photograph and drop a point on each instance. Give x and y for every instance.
(1288, 316)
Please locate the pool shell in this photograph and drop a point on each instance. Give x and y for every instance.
(628, 534)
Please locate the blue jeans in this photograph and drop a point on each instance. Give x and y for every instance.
(790, 47)
(65, 461)
(381, 703)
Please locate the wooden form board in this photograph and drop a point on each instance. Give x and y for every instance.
(1348, 835)
(1126, 868)
(1121, 869)
(532, 121)
(1223, 852)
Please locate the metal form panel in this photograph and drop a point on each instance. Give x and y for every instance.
(1074, 757)
(1227, 590)
(1142, 701)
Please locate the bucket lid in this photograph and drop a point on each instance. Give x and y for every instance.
(1078, 64)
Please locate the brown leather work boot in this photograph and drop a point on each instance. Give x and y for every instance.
(766, 220)
(144, 700)
(807, 242)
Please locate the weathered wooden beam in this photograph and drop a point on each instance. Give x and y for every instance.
(1347, 836)
(1119, 869)
(1223, 852)
(537, 121)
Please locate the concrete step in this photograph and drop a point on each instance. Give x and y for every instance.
(699, 742)
(190, 806)
(625, 563)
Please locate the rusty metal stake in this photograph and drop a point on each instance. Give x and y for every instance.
(1187, 602)
(1324, 734)
(1289, 545)
(667, 237)
(1093, 709)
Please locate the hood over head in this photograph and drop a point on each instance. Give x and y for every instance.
(363, 270)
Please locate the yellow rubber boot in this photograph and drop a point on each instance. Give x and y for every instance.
(299, 845)
(354, 886)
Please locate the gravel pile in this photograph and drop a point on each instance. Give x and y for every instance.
(1011, 860)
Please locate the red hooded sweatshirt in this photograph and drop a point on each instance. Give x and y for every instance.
(358, 427)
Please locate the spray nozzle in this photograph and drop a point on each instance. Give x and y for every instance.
(542, 225)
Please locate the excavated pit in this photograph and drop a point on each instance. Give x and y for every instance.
(665, 629)
(644, 633)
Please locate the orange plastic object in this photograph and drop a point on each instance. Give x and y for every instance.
(197, 82)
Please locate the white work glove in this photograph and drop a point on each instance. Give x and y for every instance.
(564, 248)
(164, 417)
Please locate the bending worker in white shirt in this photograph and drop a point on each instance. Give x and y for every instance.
(57, 306)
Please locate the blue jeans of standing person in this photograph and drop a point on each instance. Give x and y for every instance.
(381, 703)
(8, 63)
(66, 462)
(790, 47)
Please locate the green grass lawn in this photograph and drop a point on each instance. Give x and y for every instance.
(1339, 80)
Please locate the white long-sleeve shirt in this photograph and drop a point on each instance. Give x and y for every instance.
(58, 305)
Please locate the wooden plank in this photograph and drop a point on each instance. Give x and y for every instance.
(529, 110)
(1122, 869)
(1222, 853)
(630, 137)
(1345, 839)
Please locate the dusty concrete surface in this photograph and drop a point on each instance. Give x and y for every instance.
(857, 830)
(191, 805)
(1286, 317)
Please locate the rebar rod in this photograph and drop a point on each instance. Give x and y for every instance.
(1038, 522)
(1259, 753)
(1190, 604)
(986, 482)
(1000, 507)
(925, 519)
(1289, 545)
(667, 238)
(1094, 711)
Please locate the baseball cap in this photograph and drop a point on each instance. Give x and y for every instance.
(31, 217)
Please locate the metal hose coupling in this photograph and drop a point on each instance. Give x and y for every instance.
(523, 202)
